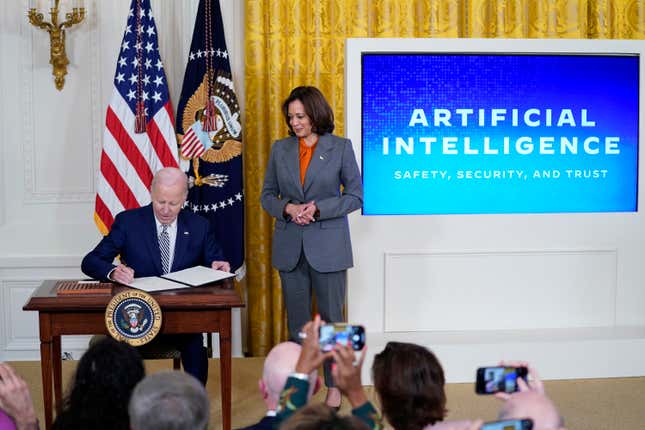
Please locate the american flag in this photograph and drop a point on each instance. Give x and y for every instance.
(130, 158)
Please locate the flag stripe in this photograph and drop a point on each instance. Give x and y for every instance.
(171, 115)
(190, 139)
(108, 196)
(103, 214)
(190, 147)
(165, 152)
(121, 189)
(128, 147)
(123, 167)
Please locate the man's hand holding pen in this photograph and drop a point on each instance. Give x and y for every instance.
(122, 274)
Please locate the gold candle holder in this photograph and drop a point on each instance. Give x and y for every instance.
(58, 57)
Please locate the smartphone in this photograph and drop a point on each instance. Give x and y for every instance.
(345, 334)
(523, 424)
(491, 380)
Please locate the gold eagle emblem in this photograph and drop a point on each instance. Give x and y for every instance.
(225, 145)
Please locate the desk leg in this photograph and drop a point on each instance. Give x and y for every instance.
(225, 366)
(57, 365)
(46, 365)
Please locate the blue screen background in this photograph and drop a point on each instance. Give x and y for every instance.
(396, 84)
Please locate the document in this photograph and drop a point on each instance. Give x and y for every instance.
(192, 277)
(151, 284)
(198, 275)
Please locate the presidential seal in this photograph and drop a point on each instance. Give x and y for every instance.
(133, 316)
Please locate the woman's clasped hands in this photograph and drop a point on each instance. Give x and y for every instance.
(301, 214)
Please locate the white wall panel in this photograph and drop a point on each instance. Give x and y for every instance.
(19, 277)
(20, 334)
(499, 290)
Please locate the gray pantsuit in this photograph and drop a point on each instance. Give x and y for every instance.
(315, 256)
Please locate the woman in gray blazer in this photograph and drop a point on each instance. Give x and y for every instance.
(302, 191)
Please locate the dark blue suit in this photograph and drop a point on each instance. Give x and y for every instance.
(134, 238)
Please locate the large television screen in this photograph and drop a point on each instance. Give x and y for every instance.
(463, 131)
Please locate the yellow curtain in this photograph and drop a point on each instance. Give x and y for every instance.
(297, 42)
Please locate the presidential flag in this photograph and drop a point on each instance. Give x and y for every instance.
(139, 136)
(210, 134)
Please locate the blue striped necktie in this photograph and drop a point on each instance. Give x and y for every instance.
(164, 248)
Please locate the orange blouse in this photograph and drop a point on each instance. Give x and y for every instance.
(306, 152)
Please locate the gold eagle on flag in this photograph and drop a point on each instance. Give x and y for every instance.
(224, 142)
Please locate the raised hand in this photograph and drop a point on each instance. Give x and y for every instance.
(311, 357)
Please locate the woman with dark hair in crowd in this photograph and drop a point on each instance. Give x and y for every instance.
(105, 378)
(409, 381)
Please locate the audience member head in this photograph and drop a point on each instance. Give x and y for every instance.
(534, 405)
(316, 107)
(281, 362)
(409, 381)
(318, 416)
(169, 401)
(168, 192)
(99, 395)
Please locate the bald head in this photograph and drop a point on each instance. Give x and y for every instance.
(169, 177)
(534, 405)
(168, 191)
(281, 362)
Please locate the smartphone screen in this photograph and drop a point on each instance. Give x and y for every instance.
(523, 424)
(344, 334)
(494, 379)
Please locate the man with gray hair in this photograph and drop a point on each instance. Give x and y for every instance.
(157, 239)
(169, 401)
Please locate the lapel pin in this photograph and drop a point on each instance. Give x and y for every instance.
(322, 158)
(186, 233)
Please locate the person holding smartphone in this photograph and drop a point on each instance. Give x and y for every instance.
(346, 374)
(312, 182)
(530, 401)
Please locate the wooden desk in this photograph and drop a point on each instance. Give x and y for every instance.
(190, 310)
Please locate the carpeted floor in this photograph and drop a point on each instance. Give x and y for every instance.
(593, 404)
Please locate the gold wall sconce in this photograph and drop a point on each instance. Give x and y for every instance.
(58, 57)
